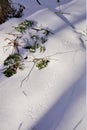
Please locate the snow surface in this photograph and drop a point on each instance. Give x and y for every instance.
(53, 98)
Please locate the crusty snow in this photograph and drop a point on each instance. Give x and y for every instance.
(53, 98)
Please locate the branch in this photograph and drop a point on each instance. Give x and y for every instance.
(38, 29)
(27, 75)
(38, 2)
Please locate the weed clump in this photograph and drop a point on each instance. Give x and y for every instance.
(42, 63)
(12, 63)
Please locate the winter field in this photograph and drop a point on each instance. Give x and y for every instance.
(53, 98)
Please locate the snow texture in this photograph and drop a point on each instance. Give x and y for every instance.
(53, 98)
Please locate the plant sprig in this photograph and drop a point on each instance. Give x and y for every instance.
(14, 42)
(23, 26)
(40, 63)
(13, 62)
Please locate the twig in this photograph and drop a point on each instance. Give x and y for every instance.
(2, 69)
(42, 29)
(53, 59)
(25, 94)
(34, 60)
(16, 35)
(6, 47)
(38, 2)
(38, 29)
(20, 125)
(59, 5)
(27, 75)
(8, 39)
(57, 53)
(14, 42)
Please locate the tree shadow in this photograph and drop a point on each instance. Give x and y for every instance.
(31, 6)
(53, 117)
(53, 3)
(71, 24)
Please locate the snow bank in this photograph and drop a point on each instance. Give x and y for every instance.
(52, 98)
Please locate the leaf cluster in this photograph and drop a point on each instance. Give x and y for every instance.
(34, 47)
(38, 40)
(12, 63)
(23, 26)
(42, 63)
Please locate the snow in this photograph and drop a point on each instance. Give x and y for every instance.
(53, 98)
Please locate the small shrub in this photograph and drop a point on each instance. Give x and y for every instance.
(12, 59)
(37, 37)
(9, 71)
(42, 63)
(12, 63)
(23, 26)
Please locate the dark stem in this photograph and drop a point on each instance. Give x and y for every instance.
(36, 29)
(38, 2)
(27, 75)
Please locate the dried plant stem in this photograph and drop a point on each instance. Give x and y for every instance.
(57, 53)
(27, 75)
(3, 69)
(14, 43)
(38, 29)
(35, 60)
(38, 2)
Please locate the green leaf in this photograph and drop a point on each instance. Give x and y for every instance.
(47, 32)
(11, 59)
(10, 71)
(42, 49)
(13, 62)
(23, 26)
(43, 40)
(42, 63)
(35, 37)
(32, 49)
